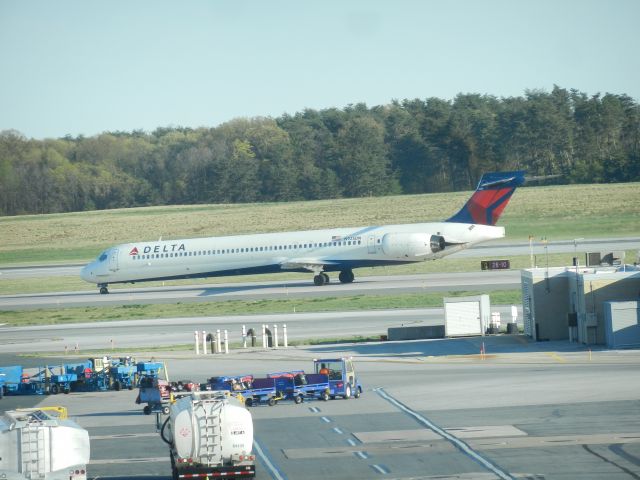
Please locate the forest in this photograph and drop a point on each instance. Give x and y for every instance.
(404, 147)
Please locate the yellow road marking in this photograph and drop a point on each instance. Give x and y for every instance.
(556, 357)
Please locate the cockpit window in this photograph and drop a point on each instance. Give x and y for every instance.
(102, 257)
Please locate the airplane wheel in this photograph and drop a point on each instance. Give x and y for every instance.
(318, 280)
(326, 277)
(104, 290)
(346, 276)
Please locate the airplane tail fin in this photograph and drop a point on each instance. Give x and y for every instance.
(491, 196)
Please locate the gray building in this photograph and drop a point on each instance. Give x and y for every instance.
(568, 303)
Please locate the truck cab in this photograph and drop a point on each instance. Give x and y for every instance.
(343, 380)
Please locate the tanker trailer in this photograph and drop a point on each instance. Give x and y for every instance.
(37, 444)
(209, 434)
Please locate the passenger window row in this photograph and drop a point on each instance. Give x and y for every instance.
(226, 251)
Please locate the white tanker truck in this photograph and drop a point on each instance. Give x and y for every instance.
(38, 444)
(209, 434)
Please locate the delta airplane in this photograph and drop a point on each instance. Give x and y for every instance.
(318, 251)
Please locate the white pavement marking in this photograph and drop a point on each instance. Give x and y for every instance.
(381, 469)
(462, 446)
(326, 419)
(337, 430)
(273, 471)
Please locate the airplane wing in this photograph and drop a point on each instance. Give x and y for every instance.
(310, 264)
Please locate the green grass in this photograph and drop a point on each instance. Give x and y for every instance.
(559, 212)
(240, 307)
(188, 347)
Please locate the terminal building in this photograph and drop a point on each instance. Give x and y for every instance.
(592, 306)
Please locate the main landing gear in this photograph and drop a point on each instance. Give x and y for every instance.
(320, 279)
(103, 288)
(346, 276)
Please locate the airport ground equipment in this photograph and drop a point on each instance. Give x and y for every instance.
(91, 375)
(262, 390)
(230, 382)
(298, 386)
(10, 377)
(123, 373)
(153, 390)
(210, 435)
(184, 386)
(253, 390)
(343, 380)
(42, 444)
(60, 382)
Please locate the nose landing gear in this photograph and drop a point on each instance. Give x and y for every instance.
(103, 288)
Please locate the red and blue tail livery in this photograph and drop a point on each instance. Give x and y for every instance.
(491, 196)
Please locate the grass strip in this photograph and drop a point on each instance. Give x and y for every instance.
(242, 307)
(188, 347)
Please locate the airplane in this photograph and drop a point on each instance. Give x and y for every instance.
(318, 251)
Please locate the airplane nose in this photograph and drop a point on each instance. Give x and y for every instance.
(86, 274)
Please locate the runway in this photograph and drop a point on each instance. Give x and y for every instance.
(380, 285)
(136, 334)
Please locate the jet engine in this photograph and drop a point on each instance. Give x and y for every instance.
(410, 245)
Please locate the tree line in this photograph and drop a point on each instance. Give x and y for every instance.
(409, 146)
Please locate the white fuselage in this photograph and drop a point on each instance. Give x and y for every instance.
(338, 249)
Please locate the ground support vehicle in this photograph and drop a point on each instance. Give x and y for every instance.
(343, 380)
(230, 382)
(184, 386)
(315, 386)
(122, 376)
(153, 390)
(262, 390)
(90, 377)
(210, 435)
(298, 386)
(10, 378)
(156, 393)
(62, 382)
(36, 443)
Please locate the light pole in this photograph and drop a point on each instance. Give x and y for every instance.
(531, 249)
(575, 251)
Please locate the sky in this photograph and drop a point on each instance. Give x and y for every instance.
(85, 67)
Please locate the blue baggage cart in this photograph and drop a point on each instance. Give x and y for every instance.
(262, 390)
(298, 386)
